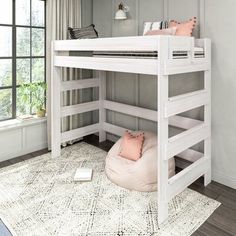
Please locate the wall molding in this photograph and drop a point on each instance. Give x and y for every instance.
(201, 8)
(201, 15)
(221, 178)
(202, 22)
(22, 140)
(166, 9)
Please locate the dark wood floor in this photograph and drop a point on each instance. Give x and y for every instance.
(221, 223)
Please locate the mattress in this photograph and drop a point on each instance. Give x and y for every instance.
(198, 53)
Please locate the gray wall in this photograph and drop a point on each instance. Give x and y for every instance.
(86, 12)
(220, 25)
(216, 21)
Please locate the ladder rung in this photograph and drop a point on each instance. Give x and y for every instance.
(183, 179)
(185, 102)
(78, 133)
(79, 108)
(79, 84)
(186, 139)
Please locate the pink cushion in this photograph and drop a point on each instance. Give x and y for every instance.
(131, 146)
(169, 31)
(184, 28)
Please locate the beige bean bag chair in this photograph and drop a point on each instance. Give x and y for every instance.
(138, 175)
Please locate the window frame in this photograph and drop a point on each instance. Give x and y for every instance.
(14, 56)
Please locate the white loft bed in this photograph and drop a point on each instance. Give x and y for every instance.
(164, 64)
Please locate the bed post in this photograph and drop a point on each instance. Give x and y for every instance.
(162, 130)
(55, 106)
(207, 110)
(102, 111)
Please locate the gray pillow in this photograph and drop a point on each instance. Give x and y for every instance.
(88, 32)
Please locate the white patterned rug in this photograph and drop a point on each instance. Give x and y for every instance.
(39, 197)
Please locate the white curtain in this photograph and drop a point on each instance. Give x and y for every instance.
(61, 14)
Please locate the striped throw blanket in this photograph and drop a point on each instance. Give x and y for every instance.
(88, 32)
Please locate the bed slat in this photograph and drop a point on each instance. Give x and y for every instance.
(79, 84)
(183, 179)
(79, 108)
(188, 65)
(186, 139)
(141, 43)
(79, 133)
(185, 102)
(138, 66)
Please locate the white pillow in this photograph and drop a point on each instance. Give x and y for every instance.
(151, 26)
(168, 31)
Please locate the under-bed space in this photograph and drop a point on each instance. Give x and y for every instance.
(161, 56)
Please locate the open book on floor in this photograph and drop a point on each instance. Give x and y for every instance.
(83, 174)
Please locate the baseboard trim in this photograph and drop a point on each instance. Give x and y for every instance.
(23, 139)
(24, 152)
(223, 179)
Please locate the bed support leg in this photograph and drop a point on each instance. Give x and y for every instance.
(162, 144)
(102, 111)
(207, 153)
(207, 178)
(55, 108)
(207, 119)
(163, 131)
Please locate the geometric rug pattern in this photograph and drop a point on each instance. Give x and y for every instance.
(38, 197)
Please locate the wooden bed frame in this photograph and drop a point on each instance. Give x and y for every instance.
(162, 67)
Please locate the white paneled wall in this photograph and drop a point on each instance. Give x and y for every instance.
(223, 34)
(216, 21)
(20, 139)
(133, 89)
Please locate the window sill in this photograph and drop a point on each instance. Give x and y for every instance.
(14, 124)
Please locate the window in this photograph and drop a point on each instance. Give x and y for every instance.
(22, 52)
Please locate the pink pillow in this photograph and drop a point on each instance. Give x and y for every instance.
(169, 31)
(184, 28)
(131, 146)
